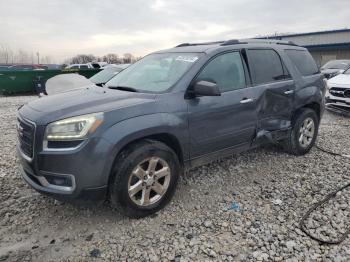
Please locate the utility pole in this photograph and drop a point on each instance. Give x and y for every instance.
(38, 55)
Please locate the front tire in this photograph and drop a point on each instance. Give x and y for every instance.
(144, 178)
(303, 134)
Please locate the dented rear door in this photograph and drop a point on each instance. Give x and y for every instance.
(273, 90)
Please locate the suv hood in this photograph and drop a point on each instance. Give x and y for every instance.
(82, 101)
(330, 71)
(340, 80)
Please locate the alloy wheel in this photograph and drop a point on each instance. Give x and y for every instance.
(149, 181)
(306, 132)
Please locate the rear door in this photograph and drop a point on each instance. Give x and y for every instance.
(273, 89)
(226, 121)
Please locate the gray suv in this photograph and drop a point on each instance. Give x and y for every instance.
(172, 110)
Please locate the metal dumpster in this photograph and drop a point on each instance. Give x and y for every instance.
(12, 82)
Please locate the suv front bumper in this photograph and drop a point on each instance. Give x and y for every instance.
(337, 104)
(76, 176)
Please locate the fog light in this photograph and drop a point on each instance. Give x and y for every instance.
(59, 180)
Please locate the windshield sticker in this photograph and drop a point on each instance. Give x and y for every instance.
(189, 59)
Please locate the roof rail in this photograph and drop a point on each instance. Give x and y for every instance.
(195, 44)
(269, 41)
(232, 42)
(242, 41)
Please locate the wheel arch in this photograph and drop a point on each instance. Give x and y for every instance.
(312, 105)
(168, 129)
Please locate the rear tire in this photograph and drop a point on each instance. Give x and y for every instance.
(302, 136)
(144, 179)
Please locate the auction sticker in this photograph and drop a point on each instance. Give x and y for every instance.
(189, 59)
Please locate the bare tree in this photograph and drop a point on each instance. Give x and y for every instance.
(128, 58)
(46, 60)
(5, 54)
(83, 58)
(111, 58)
(23, 56)
(8, 56)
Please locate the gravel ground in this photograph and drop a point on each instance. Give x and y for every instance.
(243, 208)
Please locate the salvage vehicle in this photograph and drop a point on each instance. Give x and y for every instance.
(172, 110)
(338, 93)
(107, 73)
(334, 67)
(68, 82)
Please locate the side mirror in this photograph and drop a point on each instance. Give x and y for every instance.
(205, 88)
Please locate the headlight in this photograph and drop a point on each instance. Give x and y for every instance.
(74, 128)
(326, 84)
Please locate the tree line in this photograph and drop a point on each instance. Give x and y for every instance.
(111, 58)
(9, 56)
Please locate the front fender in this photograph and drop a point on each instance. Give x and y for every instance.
(132, 129)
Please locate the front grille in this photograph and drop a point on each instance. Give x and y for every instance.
(339, 92)
(26, 133)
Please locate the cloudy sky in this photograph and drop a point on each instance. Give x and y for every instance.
(63, 28)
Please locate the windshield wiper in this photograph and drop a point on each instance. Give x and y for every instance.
(123, 88)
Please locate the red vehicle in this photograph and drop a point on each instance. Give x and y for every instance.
(27, 67)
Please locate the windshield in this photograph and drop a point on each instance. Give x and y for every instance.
(336, 65)
(155, 72)
(105, 75)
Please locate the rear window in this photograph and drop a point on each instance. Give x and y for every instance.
(303, 61)
(266, 66)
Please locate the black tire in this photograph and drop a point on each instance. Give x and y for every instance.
(292, 144)
(125, 163)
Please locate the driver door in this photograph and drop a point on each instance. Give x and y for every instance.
(222, 122)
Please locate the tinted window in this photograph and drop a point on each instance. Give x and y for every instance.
(266, 66)
(84, 67)
(226, 71)
(303, 62)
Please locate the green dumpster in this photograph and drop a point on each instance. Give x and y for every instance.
(12, 82)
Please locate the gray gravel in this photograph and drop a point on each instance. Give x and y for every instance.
(244, 208)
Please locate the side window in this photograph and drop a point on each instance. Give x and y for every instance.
(303, 61)
(266, 66)
(84, 67)
(226, 71)
(74, 67)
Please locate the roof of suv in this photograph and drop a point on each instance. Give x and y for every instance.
(211, 46)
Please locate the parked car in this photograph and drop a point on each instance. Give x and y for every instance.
(87, 65)
(24, 67)
(170, 111)
(107, 73)
(334, 67)
(79, 66)
(338, 93)
(98, 64)
(67, 82)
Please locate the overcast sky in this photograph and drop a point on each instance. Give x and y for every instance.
(63, 28)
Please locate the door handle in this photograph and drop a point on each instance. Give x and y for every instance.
(246, 100)
(289, 92)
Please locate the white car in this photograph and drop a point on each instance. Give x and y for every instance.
(338, 93)
(87, 65)
(79, 66)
